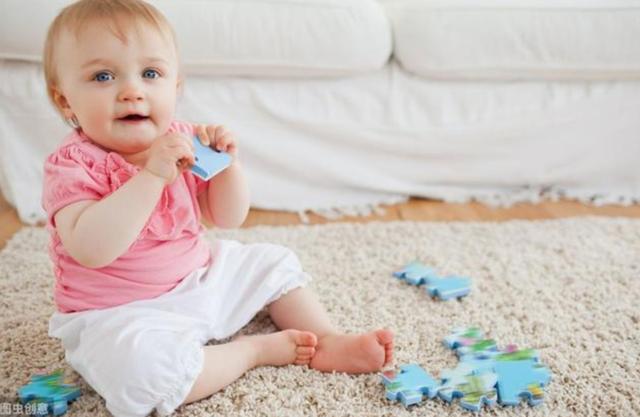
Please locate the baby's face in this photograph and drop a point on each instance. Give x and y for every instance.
(122, 93)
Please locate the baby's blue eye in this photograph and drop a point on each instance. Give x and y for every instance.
(103, 76)
(150, 73)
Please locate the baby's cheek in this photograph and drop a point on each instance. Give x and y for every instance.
(96, 124)
(162, 106)
(163, 120)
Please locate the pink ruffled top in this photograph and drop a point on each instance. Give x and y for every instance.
(168, 248)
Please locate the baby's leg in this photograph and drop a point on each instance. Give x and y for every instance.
(225, 363)
(336, 351)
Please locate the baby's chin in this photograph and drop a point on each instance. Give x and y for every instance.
(125, 143)
(134, 144)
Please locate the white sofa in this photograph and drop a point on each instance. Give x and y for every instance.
(342, 105)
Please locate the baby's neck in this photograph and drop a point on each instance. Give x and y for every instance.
(138, 159)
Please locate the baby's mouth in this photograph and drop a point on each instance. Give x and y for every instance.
(133, 118)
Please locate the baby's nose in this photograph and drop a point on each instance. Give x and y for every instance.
(130, 92)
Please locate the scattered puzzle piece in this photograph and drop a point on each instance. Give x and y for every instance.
(50, 389)
(514, 354)
(477, 365)
(415, 273)
(463, 336)
(409, 385)
(474, 391)
(449, 287)
(445, 288)
(467, 341)
(478, 350)
(521, 379)
(469, 344)
(485, 375)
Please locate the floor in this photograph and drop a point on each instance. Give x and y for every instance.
(415, 209)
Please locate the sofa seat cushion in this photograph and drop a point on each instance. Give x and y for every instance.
(527, 39)
(232, 37)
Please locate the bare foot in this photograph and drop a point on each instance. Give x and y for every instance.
(283, 348)
(354, 353)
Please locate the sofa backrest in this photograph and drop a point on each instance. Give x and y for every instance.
(523, 39)
(239, 37)
(439, 39)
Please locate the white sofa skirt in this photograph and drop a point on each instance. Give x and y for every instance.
(349, 144)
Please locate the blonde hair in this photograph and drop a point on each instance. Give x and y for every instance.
(117, 14)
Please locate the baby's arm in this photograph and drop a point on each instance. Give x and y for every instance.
(226, 200)
(227, 197)
(96, 233)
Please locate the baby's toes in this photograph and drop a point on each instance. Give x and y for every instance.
(306, 339)
(305, 351)
(384, 336)
(304, 354)
(388, 354)
(302, 361)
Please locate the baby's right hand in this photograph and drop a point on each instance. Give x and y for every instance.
(169, 155)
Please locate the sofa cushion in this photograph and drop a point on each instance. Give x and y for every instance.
(527, 39)
(232, 37)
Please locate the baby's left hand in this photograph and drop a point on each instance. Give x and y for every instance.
(218, 138)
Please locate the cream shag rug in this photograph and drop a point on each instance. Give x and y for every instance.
(569, 288)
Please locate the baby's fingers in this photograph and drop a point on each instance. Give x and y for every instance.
(183, 155)
(202, 131)
(225, 141)
(214, 133)
(228, 143)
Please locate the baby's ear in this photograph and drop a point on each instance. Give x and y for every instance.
(60, 101)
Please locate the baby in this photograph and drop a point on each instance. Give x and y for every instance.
(139, 291)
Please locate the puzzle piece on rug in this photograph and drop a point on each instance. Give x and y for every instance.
(463, 336)
(409, 385)
(50, 389)
(414, 273)
(448, 287)
(519, 379)
(470, 341)
(485, 375)
(474, 390)
(445, 288)
(480, 349)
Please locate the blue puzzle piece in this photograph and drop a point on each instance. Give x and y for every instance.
(456, 375)
(521, 379)
(208, 161)
(480, 349)
(463, 336)
(51, 390)
(485, 375)
(474, 390)
(476, 366)
(514, 354)
(470, 342)
(409, 385)
(480, 361)
(449, 287)
(415, 273)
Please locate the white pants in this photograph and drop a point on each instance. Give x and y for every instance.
(147, 354)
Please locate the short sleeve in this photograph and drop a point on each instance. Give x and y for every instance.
(71, 175)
